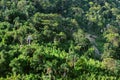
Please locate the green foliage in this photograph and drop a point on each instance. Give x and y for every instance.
(112, 46)
(65, 36)
(79, 38)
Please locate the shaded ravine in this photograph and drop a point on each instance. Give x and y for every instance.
(92, 38)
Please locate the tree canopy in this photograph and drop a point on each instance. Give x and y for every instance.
(59, 39)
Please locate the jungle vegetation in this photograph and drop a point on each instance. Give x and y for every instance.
(59, 39)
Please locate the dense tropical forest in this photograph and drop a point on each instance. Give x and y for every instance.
(59, 39)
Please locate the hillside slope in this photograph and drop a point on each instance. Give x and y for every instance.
(59, 39)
